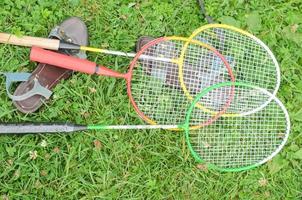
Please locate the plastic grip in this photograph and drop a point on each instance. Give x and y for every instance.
(60, 60)
(39, 128)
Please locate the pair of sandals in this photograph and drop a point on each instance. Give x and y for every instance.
(36, 87)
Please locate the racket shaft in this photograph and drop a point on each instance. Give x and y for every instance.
(132, 55)
(109, 52)
(119, 53)
(51, 44)
(130, 127)
(39, 128)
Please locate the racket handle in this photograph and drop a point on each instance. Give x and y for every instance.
(60, 60)
(52, 44)
(68, 62)
(39, 128)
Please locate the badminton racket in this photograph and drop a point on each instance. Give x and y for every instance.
(229, 144)
(147, 79)
(239, 142)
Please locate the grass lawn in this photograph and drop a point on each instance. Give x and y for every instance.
(138, 164)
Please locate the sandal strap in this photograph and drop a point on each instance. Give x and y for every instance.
(38, 89)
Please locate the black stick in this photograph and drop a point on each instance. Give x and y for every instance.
(204, 12)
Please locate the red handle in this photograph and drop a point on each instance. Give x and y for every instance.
(60, 60)
(68, 62)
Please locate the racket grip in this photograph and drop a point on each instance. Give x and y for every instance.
(52, 44)
(60, 60)
(39, 128)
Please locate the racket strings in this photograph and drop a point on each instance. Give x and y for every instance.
(156, 85)
(245, 100)
(201, 72)
(241, 141)
(249, 60)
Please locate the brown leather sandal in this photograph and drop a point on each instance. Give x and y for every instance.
(143, 40)
(71, 30)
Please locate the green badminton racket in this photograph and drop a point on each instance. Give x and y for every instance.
(229, 144)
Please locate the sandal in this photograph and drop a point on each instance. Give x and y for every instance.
(31, 94)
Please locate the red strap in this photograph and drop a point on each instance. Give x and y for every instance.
(60, 60)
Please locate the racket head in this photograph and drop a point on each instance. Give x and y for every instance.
(154, 87)
(242, 142)
(250, 59)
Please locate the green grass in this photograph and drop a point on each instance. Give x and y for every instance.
(138, 164)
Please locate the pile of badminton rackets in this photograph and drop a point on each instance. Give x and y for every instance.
(219, 86)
